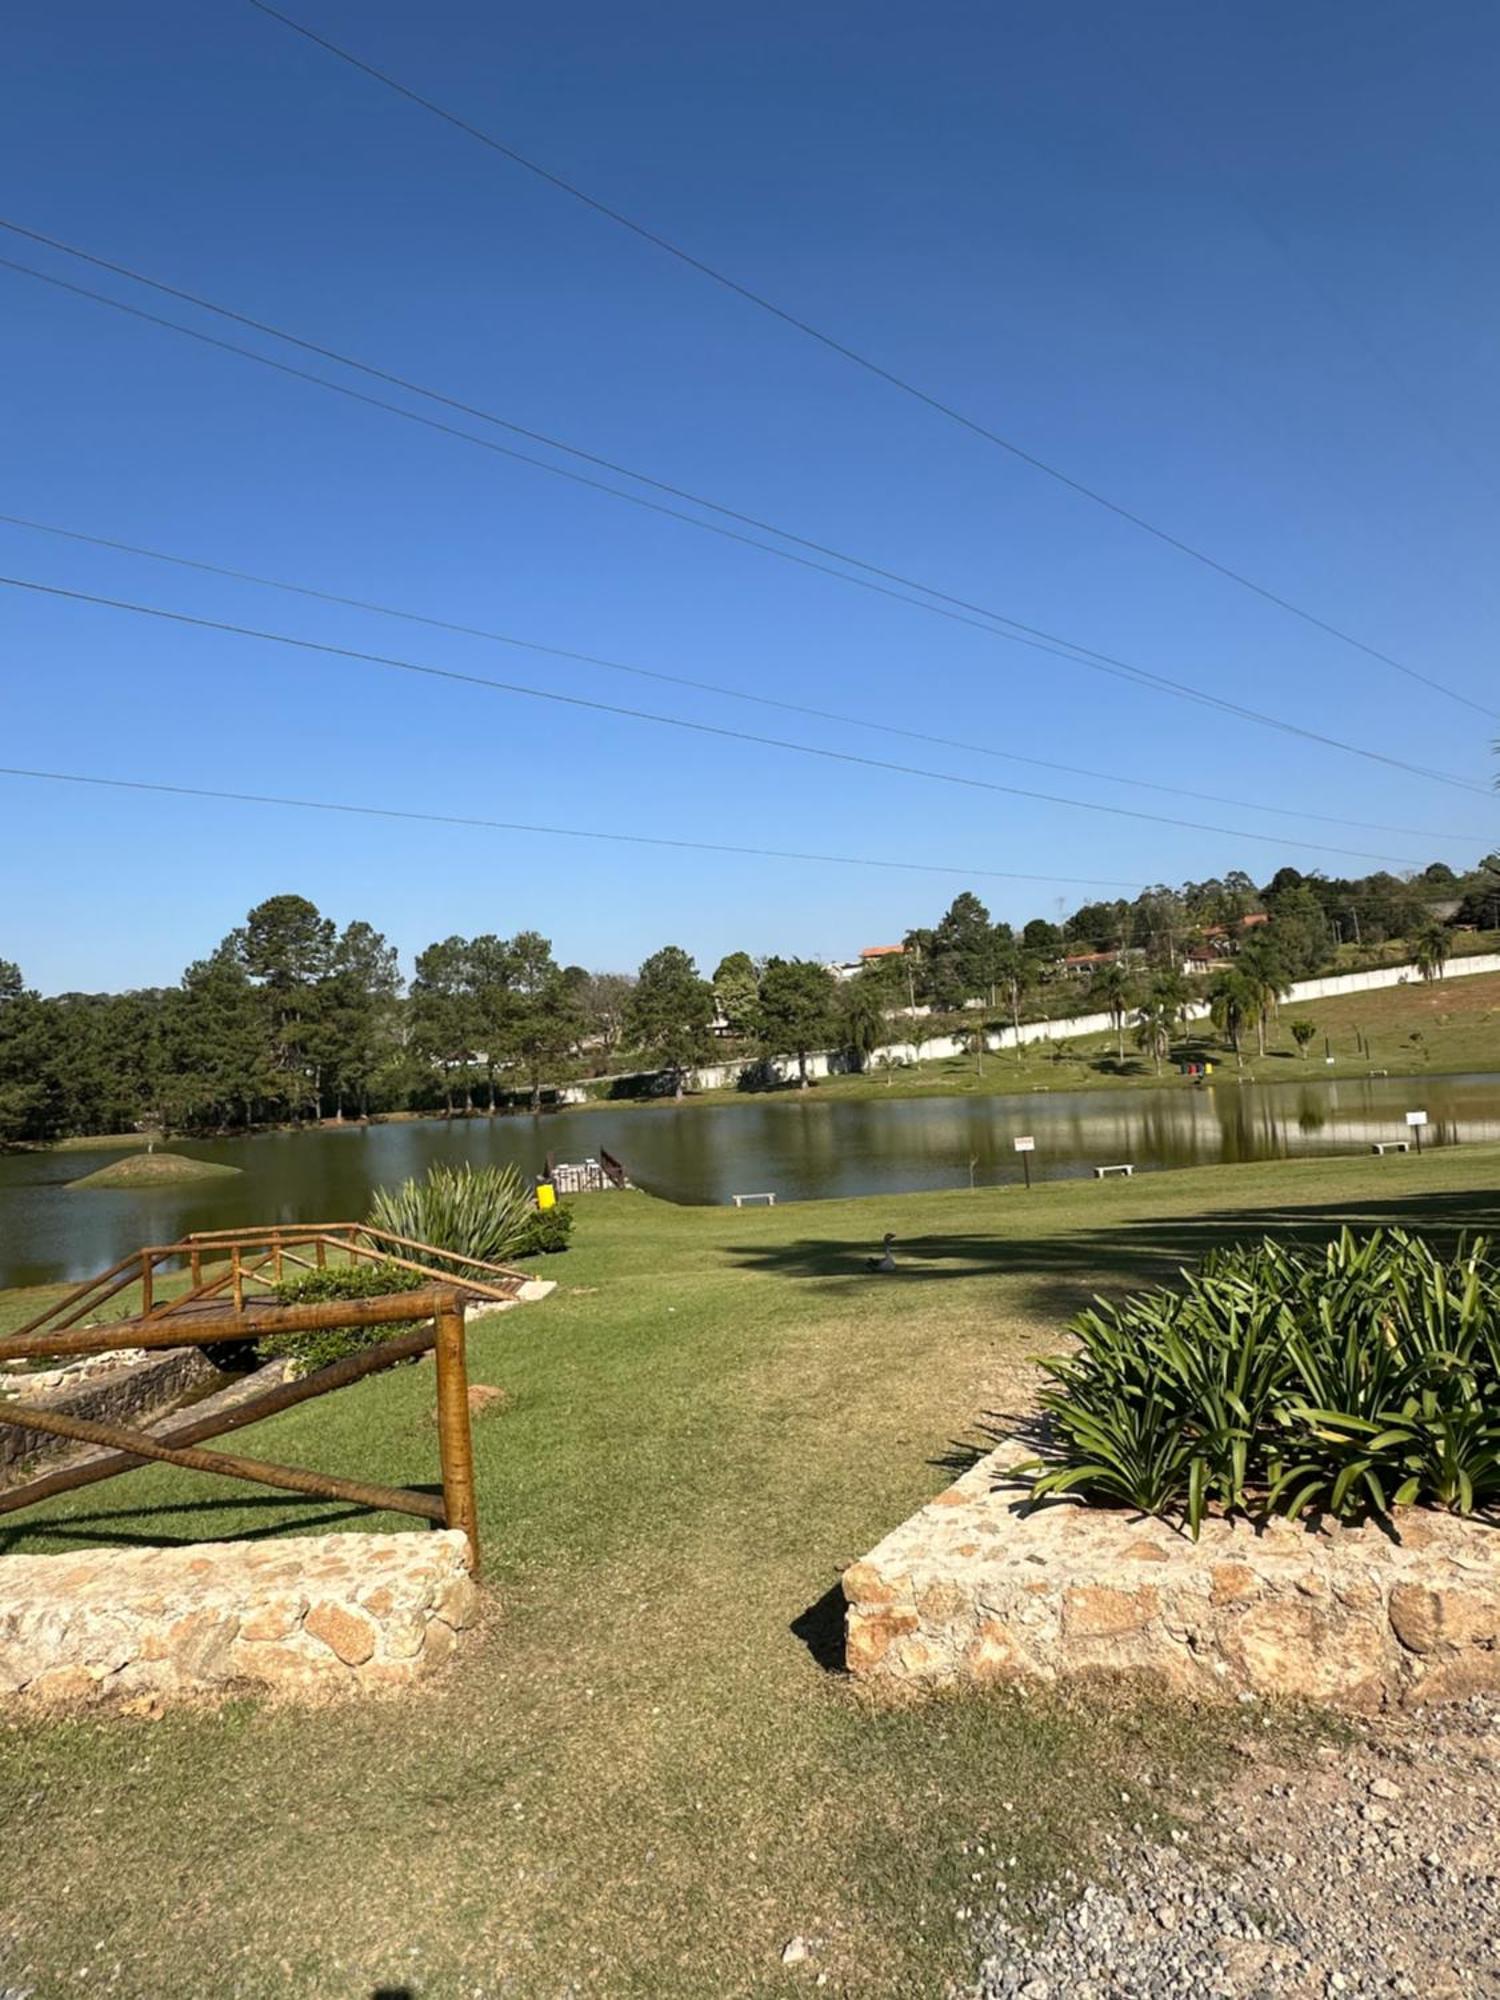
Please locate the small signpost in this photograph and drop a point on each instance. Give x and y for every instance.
(1416, 1120)
(1025, 1147)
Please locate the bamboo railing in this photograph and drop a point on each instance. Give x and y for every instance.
(260, 1256)
(435, 1316)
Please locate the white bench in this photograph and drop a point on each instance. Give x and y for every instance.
(1100, 1172)
(739, 1200)
(1391, 1146)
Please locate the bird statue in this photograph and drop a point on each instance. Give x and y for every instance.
(885, 1261)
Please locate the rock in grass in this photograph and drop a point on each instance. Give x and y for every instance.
(152, 1170)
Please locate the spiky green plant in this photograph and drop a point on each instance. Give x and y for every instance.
(471, 1212)
(1350, 1378)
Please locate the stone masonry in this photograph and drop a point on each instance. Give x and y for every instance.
(976, 1589)
(302, 1617)
(117, 1388)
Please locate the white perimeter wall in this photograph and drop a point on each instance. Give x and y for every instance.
(720, 1076)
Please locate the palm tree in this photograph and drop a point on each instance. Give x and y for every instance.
(1016, 971)
(1113, 990)
(1231, 1002)
(1265, 977)
(1160, 1016)
(1430, 949)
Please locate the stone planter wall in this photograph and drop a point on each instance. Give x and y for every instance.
(304, 1616)
(141, 1385)
(973, 1589)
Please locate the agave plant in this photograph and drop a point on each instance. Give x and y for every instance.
(479, 1213)
(1351, 1378)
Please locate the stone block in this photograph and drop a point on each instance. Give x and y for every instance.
(301, 1617)
(981, 1586)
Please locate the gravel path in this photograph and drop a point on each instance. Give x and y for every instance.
(1374, 1871)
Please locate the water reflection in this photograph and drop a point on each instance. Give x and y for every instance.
(800, 1147)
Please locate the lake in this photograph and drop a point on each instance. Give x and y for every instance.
(799, 1147)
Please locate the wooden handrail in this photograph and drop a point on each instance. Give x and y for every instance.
(255, 1409)
(442, 1305)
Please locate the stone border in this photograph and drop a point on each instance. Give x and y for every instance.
(304, 1617)
(145, 1383)
(976, 1588)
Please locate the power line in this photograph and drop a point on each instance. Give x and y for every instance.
(555, 832)
(715, 729)
(863, 361)
(1015, 629)
(701, 686)
(986, 620)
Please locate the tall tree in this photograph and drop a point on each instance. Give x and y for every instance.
(604, 1002)
(1112, 991)
(1016, 972)
(962, 953)
(545, 1018)
(796, 1010)
(1231, 1003)
(860, 1016)
(220, 1060)
(1160, 1015)
(443, 1024)
(26, 1107)
(287, 946)
(356, 1031)
(736, 986)
(1430, 950)
(1263, 969)
(671, 1013)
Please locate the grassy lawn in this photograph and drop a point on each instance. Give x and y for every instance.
(644, 1776)
(1457, 1020)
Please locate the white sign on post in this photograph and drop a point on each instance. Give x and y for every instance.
(1416, 1117)
(1025, 1145)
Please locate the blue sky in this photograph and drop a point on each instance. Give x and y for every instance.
(1233, 267)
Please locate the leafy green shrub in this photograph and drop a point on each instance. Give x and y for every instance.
(309, 1351)
(546, 1232)
(481, 1212)
(1349, 1379)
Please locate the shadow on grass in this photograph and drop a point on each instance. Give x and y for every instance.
(1059, 1272)
(97, 1526)
(821, 1629)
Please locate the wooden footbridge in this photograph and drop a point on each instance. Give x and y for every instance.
(230, 1301)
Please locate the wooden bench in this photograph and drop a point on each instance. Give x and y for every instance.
(1101, 1172)
(1391, 1146)
(739, 1200)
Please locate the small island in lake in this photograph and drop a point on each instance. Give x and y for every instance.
(152, 1170)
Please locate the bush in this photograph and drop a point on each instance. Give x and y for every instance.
(546, 1232)
(1349, 1379)
(309, 1351)
(480, 1212)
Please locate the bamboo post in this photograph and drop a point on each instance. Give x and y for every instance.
(276, 1256)
(195, 1264)
(239, 1281)
(455, 1439)
(322, 1252)
(147, 1270)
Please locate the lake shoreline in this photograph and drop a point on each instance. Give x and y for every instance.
(855, 1088)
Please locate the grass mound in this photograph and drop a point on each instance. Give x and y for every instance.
(152, 1170)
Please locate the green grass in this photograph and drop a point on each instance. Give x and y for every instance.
(152, 1170)
(1458, 1021)
(640, 1778)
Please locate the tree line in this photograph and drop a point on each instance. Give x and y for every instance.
(291, 1018)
